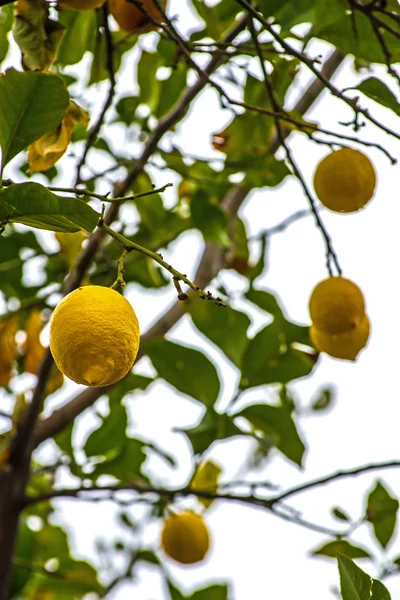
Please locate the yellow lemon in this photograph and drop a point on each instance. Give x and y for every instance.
(185, 537)
(336, 305)
(81, 4)
(131, 19)
(345, 180)
(343, 345)
(94, 336)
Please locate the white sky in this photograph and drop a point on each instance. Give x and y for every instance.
(261, 555)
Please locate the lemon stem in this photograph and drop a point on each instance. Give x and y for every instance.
(129, 245)
(120, 282)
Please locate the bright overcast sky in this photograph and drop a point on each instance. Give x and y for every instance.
(262, 556)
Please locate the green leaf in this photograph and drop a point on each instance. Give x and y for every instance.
(354, 583)
(80, 30)
(126, 108)
(269, 357)
(31, 104)
(110, 437)
(339, 514)
(25, 546)
(213, 592)
(6, 19)
(379, 592)
(186, 369)
(218, 18)
(364, 45)
(214, 323)
(341, 547)
(121, 43)
(146, 77)
(34, 205)
(264, 300)
(126, 466)
(277, 423)
(171, 89)
(375, 89)
(174, 593)
(382, 512)
(209, 219)
(212, 427)
(323, 400)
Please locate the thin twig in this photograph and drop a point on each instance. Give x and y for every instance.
(290, 50)
(392, 464)
(93, 133)
(330, 252)
(131, 245)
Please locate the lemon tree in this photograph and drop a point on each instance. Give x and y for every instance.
(132, 135)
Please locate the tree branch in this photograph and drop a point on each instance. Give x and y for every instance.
(392, 464)
(94, 131)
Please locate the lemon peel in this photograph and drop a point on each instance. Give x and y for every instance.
(94, 336)
(131, 19)
(185, 537)
(345, 180)
(336, 305)
(346, 345)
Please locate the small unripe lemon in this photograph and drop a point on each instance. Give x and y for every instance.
(79, 5)
(131, 19)
(336, 305)
(185, 537)
(345, 180)
(346, 345)
(94, 336)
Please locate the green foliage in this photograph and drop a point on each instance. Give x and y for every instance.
(382, 513)
(276, 423)
(31, 104)
(215, 324)
(341, 547)
(211, 428)
(186, 369)
(6, 15)
(79, 33)
(357, 585)
(34, 205)
(375, 89)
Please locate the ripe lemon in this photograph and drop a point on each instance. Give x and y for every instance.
(343, 345)
(94, 336)
(81, 4)
(185, 537)
(336, 305)
(345, 180)
(131, 19)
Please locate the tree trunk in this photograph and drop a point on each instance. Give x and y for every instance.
(12, 486)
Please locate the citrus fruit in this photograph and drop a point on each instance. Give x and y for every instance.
(343, 345)
(185, 537)
(94, 336)
(336, 305)
(81, 4)
(131, 19)
(345, 180)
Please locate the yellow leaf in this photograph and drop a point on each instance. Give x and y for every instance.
(206, 478)
(8, 348)
(33, 348)
(56, 380)
(49, 148)
(71, 244)
(37, 36)
(35, 351)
